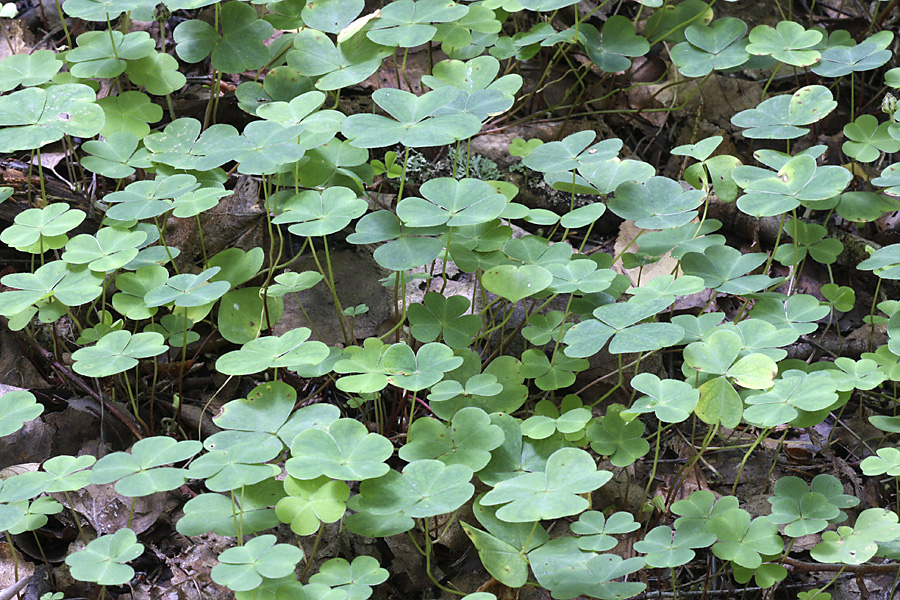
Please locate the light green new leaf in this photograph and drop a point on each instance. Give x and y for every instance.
(419, 370)
(188, 290)
(867, 139)
(856, 545)
(516, 282)
(311, 503)
(719, 403)
(666, 549)
(787, 42)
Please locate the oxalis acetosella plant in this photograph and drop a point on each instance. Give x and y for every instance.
(571, 367)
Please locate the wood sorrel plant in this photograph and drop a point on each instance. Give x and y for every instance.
(466, 412)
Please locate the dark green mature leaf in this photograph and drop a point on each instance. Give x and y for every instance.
(334, 66)
(658, 203)
(617, 438)
(612, 50)
(717, 46)
(440, 316)
(238, 48)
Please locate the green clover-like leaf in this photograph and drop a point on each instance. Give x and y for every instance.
(621, 440)
(344, 449)
(243, 568)
(238, 48)
(103, 560)
(596, 531)
(856, 545)
(355, 579)
(141, 471)
(658, 203)
(188, 290)
(867, 139)
(671, 400)
(17, 407)
(841, 60)
(802, 511)
(413, 123)
(311, 503)
(452, 202)
(313, 213)
(40, 229)
(28, 69)
(110, 249)
(744, 541)
(34, 117)
(668, 549)
(787, 42)
(116, 352)
(334, 66)
(247, 508)
(425, 488)
(717, 46)
(467, 440)
(612, 51)
(551, 494)
(783, 117)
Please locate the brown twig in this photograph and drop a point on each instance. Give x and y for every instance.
(66, 372)
(835, 567)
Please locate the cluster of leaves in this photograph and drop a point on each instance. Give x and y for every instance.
(537, 460)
